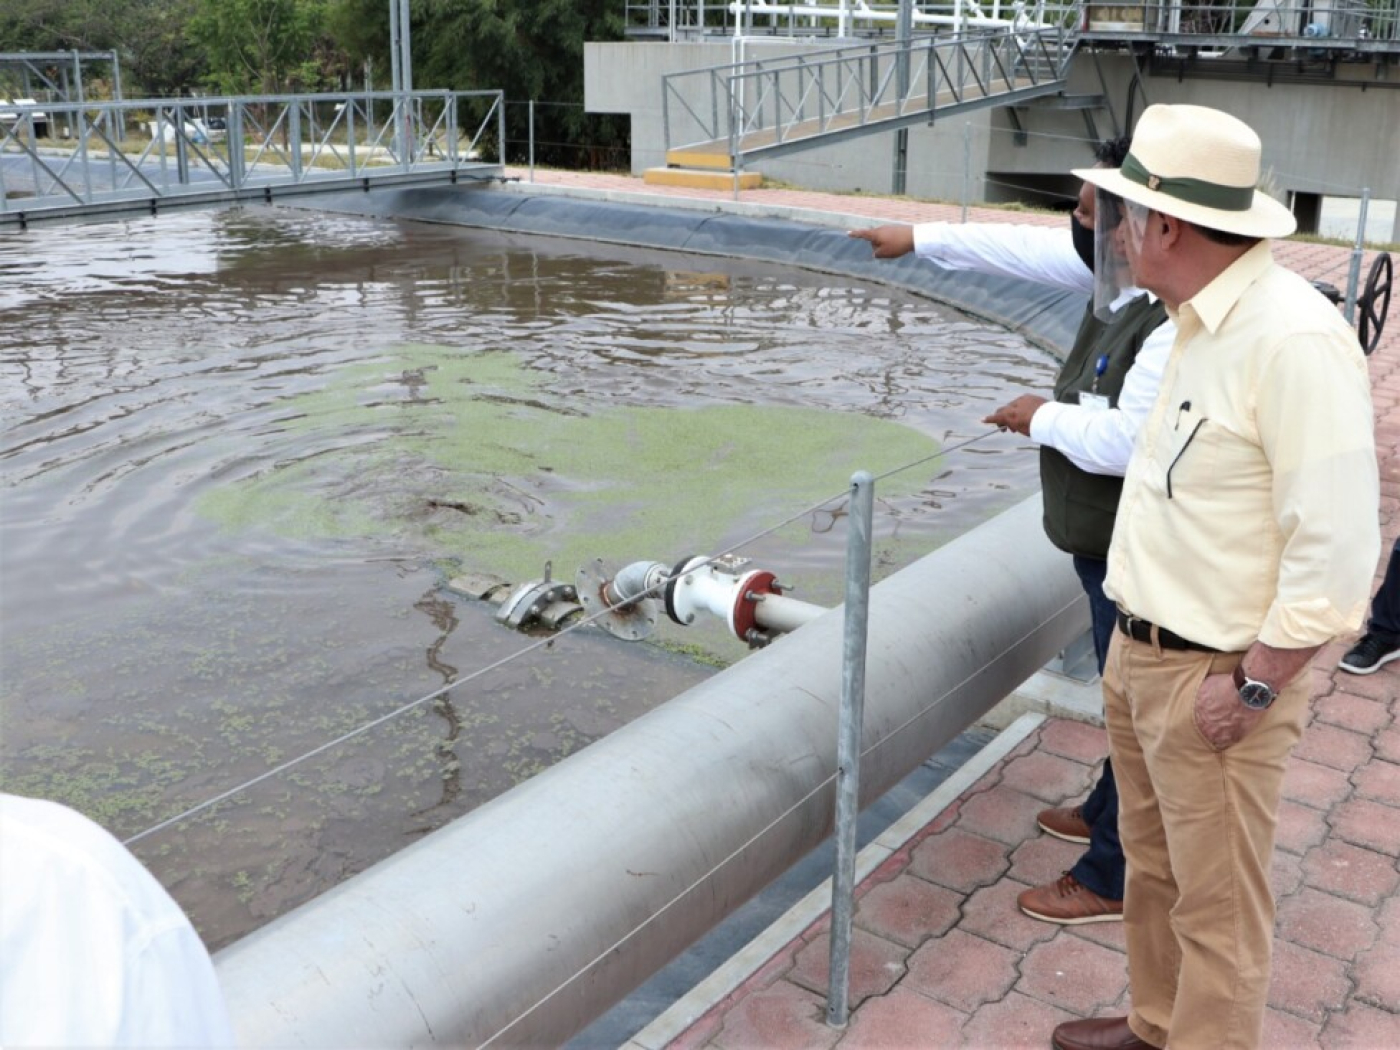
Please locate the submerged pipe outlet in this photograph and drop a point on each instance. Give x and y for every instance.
(519, 923)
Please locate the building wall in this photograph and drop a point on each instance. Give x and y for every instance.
(1318, 139)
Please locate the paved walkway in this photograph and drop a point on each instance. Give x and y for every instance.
(941, 955)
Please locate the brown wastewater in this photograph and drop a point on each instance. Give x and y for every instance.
(244, 451)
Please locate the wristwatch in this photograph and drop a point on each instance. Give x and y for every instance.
(1253, 694)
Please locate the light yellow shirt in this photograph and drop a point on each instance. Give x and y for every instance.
(1249, 510)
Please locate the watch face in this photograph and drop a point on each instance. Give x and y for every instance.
(1256, 695)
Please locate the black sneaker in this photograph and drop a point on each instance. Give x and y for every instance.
(1369, 655)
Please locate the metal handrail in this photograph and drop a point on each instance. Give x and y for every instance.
(1324, 24)
(201, 149)
(764, 105)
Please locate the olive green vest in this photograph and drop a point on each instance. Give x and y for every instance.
(1079, 506)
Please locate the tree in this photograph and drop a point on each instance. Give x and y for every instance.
(261, 46)
(157, 57)
(530, 49)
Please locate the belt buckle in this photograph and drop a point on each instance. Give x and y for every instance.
(1145, 635)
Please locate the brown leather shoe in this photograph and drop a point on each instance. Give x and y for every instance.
(1066, 823)
(1069, 902)
(1099, 1033)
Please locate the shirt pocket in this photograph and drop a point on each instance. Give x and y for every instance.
(1187, 453)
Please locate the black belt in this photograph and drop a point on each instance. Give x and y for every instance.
(1141, 631)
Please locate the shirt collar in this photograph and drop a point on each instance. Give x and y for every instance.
(1215, 301)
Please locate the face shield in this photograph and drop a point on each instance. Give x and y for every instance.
(1113, 280)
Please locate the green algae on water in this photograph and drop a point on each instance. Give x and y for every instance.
(469, 454)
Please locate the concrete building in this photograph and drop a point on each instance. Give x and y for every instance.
(1325, 106)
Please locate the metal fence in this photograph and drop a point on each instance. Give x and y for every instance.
(1322, 22)
(766, 107)
(59, 159)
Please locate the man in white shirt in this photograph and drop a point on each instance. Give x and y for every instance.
(93, 952)
(1103, 392)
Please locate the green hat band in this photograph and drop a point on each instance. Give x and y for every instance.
(1192, 191)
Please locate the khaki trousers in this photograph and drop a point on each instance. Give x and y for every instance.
(1198, 831)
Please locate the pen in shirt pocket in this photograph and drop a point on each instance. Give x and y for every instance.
(1100, 367)
(1185, 406)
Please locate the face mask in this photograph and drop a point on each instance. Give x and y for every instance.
(1083, 242)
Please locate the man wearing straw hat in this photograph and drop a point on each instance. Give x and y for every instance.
(1245, 540)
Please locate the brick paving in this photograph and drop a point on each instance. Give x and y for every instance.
(941, 955)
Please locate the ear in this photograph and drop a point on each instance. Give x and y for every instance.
(1170, 228)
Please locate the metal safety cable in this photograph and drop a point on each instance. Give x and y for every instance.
(503, 661)
(755, 837)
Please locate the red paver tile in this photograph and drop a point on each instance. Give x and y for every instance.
(1074, 974)
(783, 1017)
(1107, 934)
(1017, 1022)
(1358, 713)
(1377, 975)
(959, 860)
(703, 1030)
(1387, 744)
(991, 912)
(1384, 685)
(1365, 822)
(1285, 874)
(1299, 827)
(1326, 924)
(1327, 745)
(1317, 786)
(1285, 1032)
(903, 1019)
(1047, 777)
(1379, 780)
(962, 970)
(1388, 919)
(1307, 983)
(1361, 1027)
(1360, 875)
(1002, 814)
(875, 965)
(1077, 740)
(1043, 859)
(908, 910)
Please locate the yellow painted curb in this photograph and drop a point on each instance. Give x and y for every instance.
(701, 180)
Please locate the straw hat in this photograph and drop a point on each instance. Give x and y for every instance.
(1200, 165)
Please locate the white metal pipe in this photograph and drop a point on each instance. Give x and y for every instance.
(519, 923)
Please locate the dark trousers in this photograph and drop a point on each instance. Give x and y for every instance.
(1101, 867)
(1385, 606)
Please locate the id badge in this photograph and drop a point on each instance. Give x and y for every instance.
(1096, 402)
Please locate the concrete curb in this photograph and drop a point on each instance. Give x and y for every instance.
(709, 992)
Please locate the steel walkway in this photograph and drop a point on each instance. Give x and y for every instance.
(722, 117)
(76, 160)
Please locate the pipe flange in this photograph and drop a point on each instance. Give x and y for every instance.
(669, 593)
(743, 618)
(631, 621)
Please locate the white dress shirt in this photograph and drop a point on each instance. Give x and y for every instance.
(93, 952)
(1096, 441)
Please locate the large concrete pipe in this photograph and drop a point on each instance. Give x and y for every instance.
(524, 920)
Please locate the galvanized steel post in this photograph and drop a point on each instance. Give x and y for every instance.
(850, 718)
(1358, 250)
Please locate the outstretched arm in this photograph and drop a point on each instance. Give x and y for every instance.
(889, 242)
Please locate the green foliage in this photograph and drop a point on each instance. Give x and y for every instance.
(261, 46)
(157, 56)
(531, 49)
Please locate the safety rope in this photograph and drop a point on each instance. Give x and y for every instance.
(617, 945)
(525, 651)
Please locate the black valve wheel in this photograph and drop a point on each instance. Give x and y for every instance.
(1374, 303)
